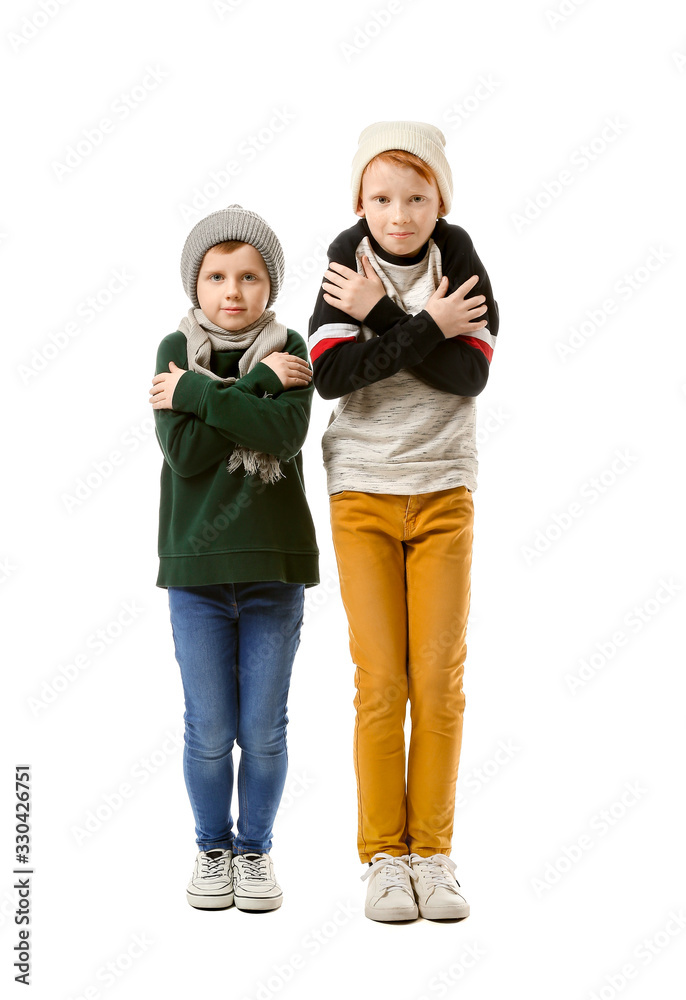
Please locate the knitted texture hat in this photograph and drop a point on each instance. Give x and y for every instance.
(424, 140)
(232, 223)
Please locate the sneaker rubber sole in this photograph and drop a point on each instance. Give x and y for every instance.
(446, 911)
(220, 901)
(391, 913)
(257, 903)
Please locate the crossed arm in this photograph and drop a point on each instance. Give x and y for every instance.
(209, 418)
(458, 364)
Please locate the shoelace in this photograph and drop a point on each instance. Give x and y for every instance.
(391, 871)
(438, 869)
(210, 867)
(254, 867)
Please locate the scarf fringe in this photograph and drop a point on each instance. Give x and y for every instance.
(268, 466)
(259, 339)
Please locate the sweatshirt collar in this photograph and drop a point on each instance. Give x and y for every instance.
(393, 258)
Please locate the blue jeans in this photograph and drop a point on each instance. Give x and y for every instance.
(235, 644)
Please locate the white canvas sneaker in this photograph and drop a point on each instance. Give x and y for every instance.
(211, 885)
(439, 894)
(389, 893)
(254, 883)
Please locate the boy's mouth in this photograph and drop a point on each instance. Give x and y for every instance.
(400, 236)
(232, 309)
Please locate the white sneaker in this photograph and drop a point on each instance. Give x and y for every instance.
(211, 885)
(439, 894)
(389, 893)
(254, 883)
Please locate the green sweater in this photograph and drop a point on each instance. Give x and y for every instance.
(222, 527)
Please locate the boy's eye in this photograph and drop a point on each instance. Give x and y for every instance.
(212, 276)
(382, 197)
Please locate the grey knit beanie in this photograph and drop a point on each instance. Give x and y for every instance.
(424, 140)
(232, 223)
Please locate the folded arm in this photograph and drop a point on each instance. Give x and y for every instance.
(276, 424)
(460, 365)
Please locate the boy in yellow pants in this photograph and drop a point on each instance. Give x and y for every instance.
(395, 336)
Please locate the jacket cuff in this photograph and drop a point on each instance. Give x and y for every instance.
(427, 334)
(261, 379)
(385, 314)
(189, 391)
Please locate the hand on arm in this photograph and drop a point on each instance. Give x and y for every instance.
(188, 444)
(163, 385)
(460, 363)
(341, 362)
(353, 293)
(454, 313)
(275, 422)
(292, 370)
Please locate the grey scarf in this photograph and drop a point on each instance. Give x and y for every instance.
(260, 338)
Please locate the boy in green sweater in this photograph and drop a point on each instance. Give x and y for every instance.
(231, 396)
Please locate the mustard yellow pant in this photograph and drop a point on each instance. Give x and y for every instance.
(404, 564)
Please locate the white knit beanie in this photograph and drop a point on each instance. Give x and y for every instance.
(424, 140)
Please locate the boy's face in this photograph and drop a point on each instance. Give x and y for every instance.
(233, 288)
(400, 206)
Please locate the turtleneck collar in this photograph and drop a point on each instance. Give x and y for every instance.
(393, 258)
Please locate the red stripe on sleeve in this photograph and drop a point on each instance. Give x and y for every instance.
(324, 345)
(480, 345)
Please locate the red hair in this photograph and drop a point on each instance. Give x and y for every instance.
(400, 157)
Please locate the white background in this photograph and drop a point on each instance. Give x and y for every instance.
(518, 94)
